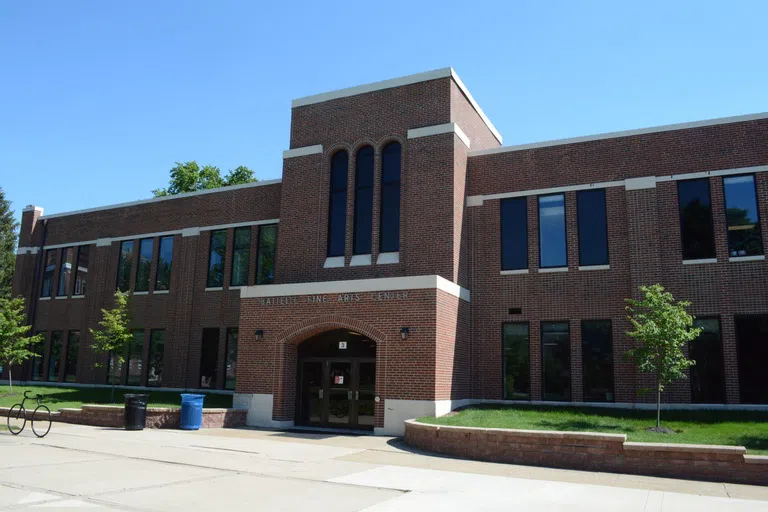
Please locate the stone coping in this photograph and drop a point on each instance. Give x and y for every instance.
(680, 447)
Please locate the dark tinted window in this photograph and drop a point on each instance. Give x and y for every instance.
(73, 350)
(752, 353)
(363, 201)
(145, 265)
(209, 358)
(65, 274)
(164, 263)
(597, 354)
(54, 356)
(155, 360)
(48, 271)
(593, 227)
(389, 239)
(552, 252)
(81, 277)
(265, 260)
(337, 210)
(516, 362)
(708, 374)
(241, 256)
(124, 266)
(514, 233)
(230, 370)
(134, 358)
(744, 237)
(216, 259)
(698, 239)
(37, 360)
(556, 361)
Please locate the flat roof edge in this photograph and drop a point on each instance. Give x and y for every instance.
(163, 198)
(624, 133)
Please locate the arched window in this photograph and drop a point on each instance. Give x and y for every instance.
(363, 201)
(337, 210)
(389, 239)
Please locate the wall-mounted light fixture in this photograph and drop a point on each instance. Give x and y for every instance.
(404, 332)
(259, 334)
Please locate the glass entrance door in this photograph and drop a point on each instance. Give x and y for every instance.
(340, 394)
(311, 409)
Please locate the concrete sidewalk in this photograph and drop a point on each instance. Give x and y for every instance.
(89, 467)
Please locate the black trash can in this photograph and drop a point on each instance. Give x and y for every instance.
(135, 411)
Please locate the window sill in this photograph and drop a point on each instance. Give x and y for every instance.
(513, 272)
(388, 258)
(61, 297)
(214, 289)
(760, 257)
(77, 297)
(334, 262)
(44, 298)
(553, 269)
(700, 262)
(158, 292)
(237, 287)
(360, 260)
(141, 293)
(594, 267)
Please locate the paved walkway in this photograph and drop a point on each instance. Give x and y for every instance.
(79, 467)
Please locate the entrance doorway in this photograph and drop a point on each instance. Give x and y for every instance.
(336, 381)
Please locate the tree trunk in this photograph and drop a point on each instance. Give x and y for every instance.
(10, 381)
(658, 403)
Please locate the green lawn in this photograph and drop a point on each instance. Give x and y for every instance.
(57, 397)
(742, 428)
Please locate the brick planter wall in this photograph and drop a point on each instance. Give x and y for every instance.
(157, 417)
(591, 451)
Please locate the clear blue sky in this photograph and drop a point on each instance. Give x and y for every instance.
(99, 99)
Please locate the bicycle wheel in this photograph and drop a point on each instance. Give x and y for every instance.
(17, 419)
(41, 421)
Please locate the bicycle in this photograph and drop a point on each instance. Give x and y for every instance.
(41, 417)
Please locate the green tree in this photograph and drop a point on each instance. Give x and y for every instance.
(8, 227)
(190, 177)
(113, 336)
(14, 342)
(662, 327)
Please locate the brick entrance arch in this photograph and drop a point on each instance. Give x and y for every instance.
(313, 326)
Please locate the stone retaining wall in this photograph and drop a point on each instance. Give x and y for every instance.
(157, 417)
(592, 452)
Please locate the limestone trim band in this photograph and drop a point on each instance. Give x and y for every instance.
(304, 151)
(357, 285)
(27, 250)
(438, 129)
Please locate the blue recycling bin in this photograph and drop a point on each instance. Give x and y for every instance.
(191, 411)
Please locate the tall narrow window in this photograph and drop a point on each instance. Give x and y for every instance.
(54, 356)
(73, 349)
(230, 370)
(241, 256)
(337, 209)
(389, 237)
(81, 276)
(597, 354)
(751, 355)
(552, 251)
(216, 259)
(698, 236)
(744, 234)
(65, 274)
(155, 359)
(164, 260)
(134, 358)
(145, 265)
(363, 201)
(516, 362)
(37, 358)
(113, 363)
(593, 227)
(708, 374)
(50, 268)
(124, 266)
(514, 233)
(209, 356)
(556, 361)
(265, 260)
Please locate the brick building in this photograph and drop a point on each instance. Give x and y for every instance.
(407, 263)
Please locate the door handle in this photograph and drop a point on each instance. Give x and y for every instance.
(321, 394)
(349, 395)
(357, 395)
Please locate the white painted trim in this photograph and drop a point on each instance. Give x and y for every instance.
(239, 224)
(357, 285)
(190, 232)
(761, 257)
(625, 133)
(712, 174)
(32, 208)
(388, 258)
(594, 267)
(161, 292)
(477, 108)
(164, 198)
(360, 260)
(334, 262)
(44, 298)
(214, 289)
(103, 242)
(303, 151)
(640, 183)
(513, 272)
(141, 293)
(474, 200)
(552, 190)
(77, 297)
(702, 261)
(439, 129)
(26, 250)
(553, 269)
